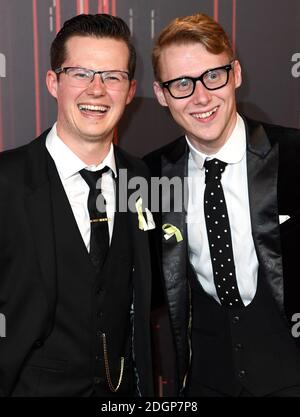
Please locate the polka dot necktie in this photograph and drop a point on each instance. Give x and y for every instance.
(219, 236)
(99, 239)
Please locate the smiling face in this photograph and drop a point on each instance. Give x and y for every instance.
(207, 117)
(89, 114)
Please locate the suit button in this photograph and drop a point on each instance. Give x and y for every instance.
(242, 374)
(95, 260)
(99, 314)
(238, 346)
(97, 380)
(99, 333)
(235, 319)
(99, 290)
(98, 358)
(38, 343)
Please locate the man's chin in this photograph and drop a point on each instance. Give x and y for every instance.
(96, 138)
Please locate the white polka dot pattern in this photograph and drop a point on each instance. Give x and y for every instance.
(219, 236)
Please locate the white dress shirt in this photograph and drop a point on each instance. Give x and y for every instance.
(68, 166)
(235, 187)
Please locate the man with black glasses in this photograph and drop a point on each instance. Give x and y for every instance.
(74, 268)
(229, 257)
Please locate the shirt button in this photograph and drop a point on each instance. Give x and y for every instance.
(98, 358)
(242, 374)
(235, 319)
(99, 314)
(99, 290)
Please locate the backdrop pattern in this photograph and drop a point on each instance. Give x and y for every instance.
(265, 34)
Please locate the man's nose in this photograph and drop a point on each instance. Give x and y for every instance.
(97, 86)
(201, 94)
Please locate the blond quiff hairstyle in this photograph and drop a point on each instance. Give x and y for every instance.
(197, 28)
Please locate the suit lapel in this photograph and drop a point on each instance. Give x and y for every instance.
(64, 224)
(174, 165)
(120, 229)
(262, 167)
(127, 220)
(175, 254)
(38, 205)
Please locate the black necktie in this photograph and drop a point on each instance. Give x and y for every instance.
(219, 235)
(99, 240)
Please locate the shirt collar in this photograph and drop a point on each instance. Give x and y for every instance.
(61, 153)
(231, 152)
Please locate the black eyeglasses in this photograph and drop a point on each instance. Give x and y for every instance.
(212, 79)
(82, 77)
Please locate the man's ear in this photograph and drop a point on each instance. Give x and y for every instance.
(237, 70)
(51, 82)
(131, 92)
(159, 94)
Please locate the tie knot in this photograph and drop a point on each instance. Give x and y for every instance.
(91, 177)
(214, 169)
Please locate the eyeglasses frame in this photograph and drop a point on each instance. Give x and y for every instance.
(65, 69)
(227, 67)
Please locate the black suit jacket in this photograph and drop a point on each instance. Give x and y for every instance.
(274, 189)
(28, 262)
